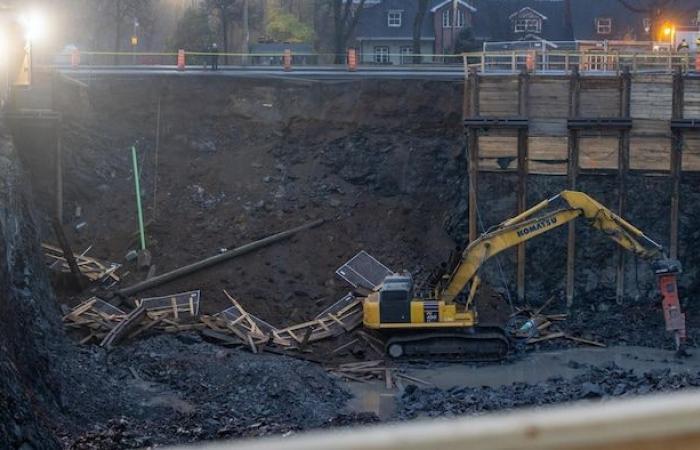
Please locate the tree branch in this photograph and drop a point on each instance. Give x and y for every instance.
(634, 8)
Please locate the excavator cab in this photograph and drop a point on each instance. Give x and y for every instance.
(395, 298)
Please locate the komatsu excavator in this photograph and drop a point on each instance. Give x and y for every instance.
(443, 322)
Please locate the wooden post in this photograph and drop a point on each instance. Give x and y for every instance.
(623, 168)
(676, 160)
(523, 92)
(473, 149)
(59, 173)
(67, 253)
(572, 173)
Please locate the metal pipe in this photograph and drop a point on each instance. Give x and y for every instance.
(208, 262)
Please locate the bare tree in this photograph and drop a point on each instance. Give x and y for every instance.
(346, 15)
(655, 9)
(120, 14)
(418, 29)
(225, 10)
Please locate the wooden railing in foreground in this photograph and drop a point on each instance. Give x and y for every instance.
(565, 61)
(670, 421)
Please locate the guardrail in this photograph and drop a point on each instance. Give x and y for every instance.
(192, 59)
(565, 61)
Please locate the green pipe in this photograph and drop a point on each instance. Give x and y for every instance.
(138, 197)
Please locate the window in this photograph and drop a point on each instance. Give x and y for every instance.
(406, 55)
(447, 18)
(603, 25)
(523, 25)
(460, 19)
(381, 55)
(394, 18)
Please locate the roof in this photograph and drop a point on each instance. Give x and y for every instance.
(494, 19)
(529, 10)
(445, 2)
(373, 21)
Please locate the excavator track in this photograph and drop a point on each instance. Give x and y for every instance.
(479, 344)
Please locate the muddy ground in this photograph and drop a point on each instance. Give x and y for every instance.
(383, 162)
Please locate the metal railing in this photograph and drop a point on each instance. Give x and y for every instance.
(194, 59)
(565, 61)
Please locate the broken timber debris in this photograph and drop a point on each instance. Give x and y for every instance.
(91, 268)
(208, 262)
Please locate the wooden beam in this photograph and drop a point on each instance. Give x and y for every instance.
(667, 421)
(676, 161)
(473, 153)
(59, 173)
(623, 169)
(523, 93)
(68, 253)
(572, 174)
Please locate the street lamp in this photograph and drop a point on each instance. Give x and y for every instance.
(134, 41)
(34, 27)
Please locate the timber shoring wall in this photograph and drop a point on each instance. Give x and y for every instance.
(644, 142)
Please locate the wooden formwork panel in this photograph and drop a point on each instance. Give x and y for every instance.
(548, 127)
(549, 97)
(498, 153)
(691, 152)
(691, 97)
(651, 127)
(650, 153)
(498, 146)
(498, 96)
(599, 152)
(652, 97)
(548, 155)
(600, 99)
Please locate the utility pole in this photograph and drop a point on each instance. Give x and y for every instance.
(246, 31)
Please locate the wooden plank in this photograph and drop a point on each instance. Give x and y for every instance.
(547, 148)
(548, 97)
(691, 152)
(661, 421)
(498, 96)
(650, 153)
(691, 97)
(498, 146)
(599, 152)
(651, 97)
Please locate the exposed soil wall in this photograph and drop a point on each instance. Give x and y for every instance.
(30, 329)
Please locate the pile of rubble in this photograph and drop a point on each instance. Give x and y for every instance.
(597, 382)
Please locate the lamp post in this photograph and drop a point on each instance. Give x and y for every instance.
(134, 41)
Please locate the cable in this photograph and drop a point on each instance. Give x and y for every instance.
(497, 258)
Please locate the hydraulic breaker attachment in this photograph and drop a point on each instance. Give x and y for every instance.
(666, 271)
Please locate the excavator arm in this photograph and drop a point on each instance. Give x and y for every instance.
(569, 205)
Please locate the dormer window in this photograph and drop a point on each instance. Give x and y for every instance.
(528, 25)
(527, 20)
(394, 18)
(603, 25)
(447, 18)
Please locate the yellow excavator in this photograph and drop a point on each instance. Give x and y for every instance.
(443, 322)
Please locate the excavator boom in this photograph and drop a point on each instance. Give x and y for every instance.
(445, 323)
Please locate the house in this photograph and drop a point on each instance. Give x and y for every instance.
(384, 34)
(536, 23)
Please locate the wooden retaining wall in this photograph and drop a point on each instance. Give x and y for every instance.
(571, 125)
